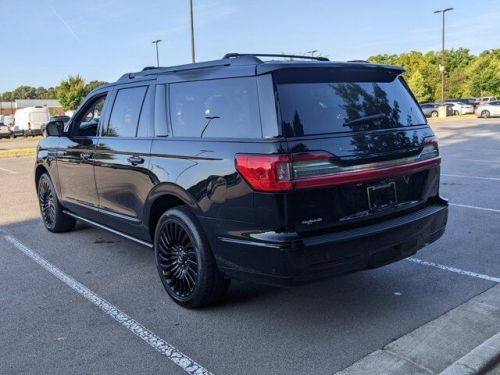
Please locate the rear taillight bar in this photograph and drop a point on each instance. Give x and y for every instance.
(274, 173)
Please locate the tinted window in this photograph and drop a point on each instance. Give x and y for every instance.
(87, 123)
(147, 115)
(328, 107)
(218, 108)
(125, 113)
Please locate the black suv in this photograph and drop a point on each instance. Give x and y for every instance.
(279, 172)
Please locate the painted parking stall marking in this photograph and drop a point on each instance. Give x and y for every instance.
(455, 270)
(474, 207)
(8, 170)
(177, 357)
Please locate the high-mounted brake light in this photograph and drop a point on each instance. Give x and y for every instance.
(274, 173)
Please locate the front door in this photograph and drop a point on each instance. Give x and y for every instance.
(122, 160)
(75, 159)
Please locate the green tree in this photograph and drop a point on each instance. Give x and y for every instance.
(93, 85)
(24, 92)
(484, 74)
(71, 92)
(420, 87)
(383, 59)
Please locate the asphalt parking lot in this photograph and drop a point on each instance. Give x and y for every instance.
(48, 327)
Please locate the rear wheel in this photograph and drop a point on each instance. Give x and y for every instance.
(434, 114)
(50, 208)
(185, 262)
(485, 114)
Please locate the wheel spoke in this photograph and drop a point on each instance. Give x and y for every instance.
(177, 259)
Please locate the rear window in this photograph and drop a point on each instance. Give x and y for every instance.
(225, 108)
(309, 108)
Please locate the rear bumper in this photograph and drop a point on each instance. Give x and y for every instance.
(287, 260)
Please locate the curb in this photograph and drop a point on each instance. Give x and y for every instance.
(17, 153)
(463, 341)
(479, 360)
(435, 120)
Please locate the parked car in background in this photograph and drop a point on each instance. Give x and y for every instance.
(491, 109)
(28, 121)
(5, 131)
(432, 109)
(485, 100)
(460, 108)
(199, 163)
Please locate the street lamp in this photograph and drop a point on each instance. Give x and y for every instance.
(193, 57)
(441, 67)
(157, 56)
(312, 52)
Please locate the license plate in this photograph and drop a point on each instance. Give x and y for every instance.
(382, 196)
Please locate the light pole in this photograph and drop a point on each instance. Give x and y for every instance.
(312, 52)
(442, 68)
(157, 55)
(193, 56)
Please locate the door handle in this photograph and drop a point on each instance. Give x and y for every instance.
(135, 160)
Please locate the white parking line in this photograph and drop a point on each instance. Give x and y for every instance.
(474, 207)
(474, 177)
(8, 170)
(455, 270)
(180, 359)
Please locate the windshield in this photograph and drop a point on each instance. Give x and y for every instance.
(330, 107)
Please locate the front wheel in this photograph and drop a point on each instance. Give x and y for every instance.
(50, 208)
(485, 114)
(434, 114)
(185, 263)
(456, 113)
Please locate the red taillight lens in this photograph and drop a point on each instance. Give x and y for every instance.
(265, 172)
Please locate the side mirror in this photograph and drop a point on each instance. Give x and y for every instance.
(54, 128)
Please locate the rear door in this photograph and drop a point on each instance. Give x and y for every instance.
(363, 130)
(123, 156)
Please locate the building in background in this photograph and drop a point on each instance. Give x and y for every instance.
(9, 108)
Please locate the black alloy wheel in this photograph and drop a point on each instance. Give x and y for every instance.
(177, 259)
(185, 262)
(47, 203)
(51, 210)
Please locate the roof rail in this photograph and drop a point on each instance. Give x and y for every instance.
(359, 61)
(256, 55)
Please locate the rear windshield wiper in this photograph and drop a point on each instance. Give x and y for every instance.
(365, 119)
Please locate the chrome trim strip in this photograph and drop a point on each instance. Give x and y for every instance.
(250, 243)
(100, 226)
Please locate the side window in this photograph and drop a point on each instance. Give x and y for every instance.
(125, 113)
(87, 124)
(226, 108)
(147, 115)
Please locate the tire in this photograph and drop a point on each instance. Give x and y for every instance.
(434, 114)
(50, 209)
(485, 114)
(185, 263)
(456, 113)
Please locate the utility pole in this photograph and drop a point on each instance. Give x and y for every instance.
(441, 67)
(157, 55)
(193, 56)
(312, 52)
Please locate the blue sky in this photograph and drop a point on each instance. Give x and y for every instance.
(50, 39)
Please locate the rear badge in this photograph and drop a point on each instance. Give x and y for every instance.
(312, 221)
